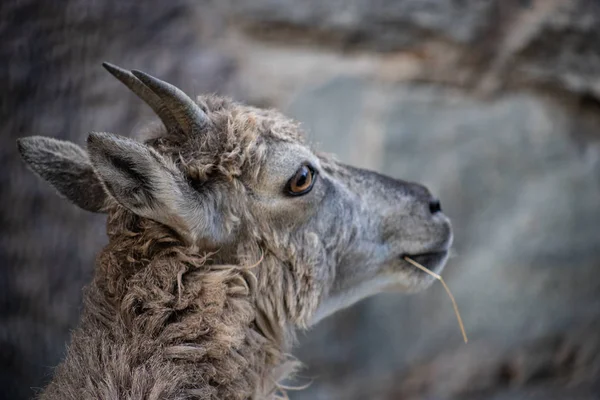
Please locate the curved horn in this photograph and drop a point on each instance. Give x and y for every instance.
(189, 115)
(144, 93)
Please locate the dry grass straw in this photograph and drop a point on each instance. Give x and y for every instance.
(438, 277)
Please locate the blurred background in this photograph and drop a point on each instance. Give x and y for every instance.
(493, 104)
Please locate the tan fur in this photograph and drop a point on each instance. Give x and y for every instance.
(144, 336)
(163, 319)
(211, 265)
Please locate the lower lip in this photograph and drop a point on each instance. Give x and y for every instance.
(431, 261)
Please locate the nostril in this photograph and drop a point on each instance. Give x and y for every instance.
(435, 206)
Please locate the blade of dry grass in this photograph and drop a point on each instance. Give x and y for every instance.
(438, 277)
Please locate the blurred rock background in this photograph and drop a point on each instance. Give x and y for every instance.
(494, 104)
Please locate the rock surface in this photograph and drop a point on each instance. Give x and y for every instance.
(523, 196)
(485, 43)
(493, 104)
(383, 23)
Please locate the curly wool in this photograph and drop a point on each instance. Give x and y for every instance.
(166, 319)
(161, 321)
(233, 145)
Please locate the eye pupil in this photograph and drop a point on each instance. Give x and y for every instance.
(302, 181)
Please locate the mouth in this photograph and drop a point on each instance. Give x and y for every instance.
(433, 261)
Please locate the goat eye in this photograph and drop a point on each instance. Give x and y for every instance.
(302, 181)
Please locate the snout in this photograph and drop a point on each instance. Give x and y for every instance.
(391, 219)
(416, 227)
(429, 236)
(404, 216)
(420, 197)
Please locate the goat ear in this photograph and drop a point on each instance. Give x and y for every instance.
(143, 181)
(67, 168)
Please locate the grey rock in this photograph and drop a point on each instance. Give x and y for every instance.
(518, 173)
(498, 43)
(523, 197)
(333, 132)
(385, 24)
(565, 50)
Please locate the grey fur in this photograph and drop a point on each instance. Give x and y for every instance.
(221, 184)
(144, 182)
(67, 168)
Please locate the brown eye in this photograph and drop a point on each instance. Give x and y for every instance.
(302, 182)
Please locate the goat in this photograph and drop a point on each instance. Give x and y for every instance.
(227, 233)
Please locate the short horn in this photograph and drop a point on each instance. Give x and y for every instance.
(144, 93)
(189, 115)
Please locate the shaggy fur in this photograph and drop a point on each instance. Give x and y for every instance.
(163, 319)
(161, 322)
(211, 266)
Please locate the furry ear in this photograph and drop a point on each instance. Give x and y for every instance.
(143, 181)
(67, 168)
